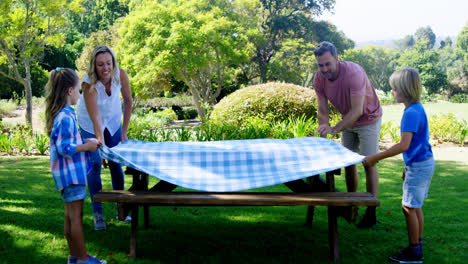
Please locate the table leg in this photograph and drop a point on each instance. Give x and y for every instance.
(312, 184)
(161, 186)
(333, 234)
(146, 215)
(122, 211)
(134, 235)
(310, 215)
(310, 209)
(332, 220)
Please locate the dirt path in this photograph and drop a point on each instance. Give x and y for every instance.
(453, 152)
(19, 117)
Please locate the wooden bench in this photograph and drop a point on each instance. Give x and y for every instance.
(131, 200)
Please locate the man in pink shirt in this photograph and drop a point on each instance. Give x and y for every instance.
(346, 86)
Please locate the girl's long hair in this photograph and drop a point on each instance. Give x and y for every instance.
(60, 80)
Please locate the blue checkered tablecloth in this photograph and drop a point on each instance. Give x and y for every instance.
(232, 165)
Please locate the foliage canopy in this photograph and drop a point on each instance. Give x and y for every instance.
(26, 27)
(193, 41)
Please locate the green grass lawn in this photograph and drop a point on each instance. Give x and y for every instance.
(31, 224)
(395, 111)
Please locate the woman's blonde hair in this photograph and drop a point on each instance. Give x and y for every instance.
(60, 80)
(93, 78)
(407, 83)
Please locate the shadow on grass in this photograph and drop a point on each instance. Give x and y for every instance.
(31, 224)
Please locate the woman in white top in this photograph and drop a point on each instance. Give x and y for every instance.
(99, 116)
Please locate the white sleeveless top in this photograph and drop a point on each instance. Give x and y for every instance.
(110, 107)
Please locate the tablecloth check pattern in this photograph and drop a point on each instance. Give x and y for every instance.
(232, 165)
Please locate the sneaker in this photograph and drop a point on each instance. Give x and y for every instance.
(367, 222)
(72, 259)
(407, 255)
(128, 219)
(92, 260)
(420, 250)
(99, 223)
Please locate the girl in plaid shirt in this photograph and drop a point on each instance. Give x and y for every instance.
(67, 157)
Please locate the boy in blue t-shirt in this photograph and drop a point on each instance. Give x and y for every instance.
(419, 160)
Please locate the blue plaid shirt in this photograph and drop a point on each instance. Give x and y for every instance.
(67, 166)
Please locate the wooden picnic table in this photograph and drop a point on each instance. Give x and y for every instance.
(312, 192)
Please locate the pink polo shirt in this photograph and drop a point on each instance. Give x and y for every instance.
(352, 81)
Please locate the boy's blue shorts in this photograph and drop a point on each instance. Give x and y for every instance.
(74, 192)
(418, 177)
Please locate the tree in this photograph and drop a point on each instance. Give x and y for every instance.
(108, 37)
(462, 38)
(98, 15)
(457, 75)
(462, 42)
(378, 62)
(294, 62)
(319, 31)
(425, 61)
(279, 20)
(442, 44)
(12, 89)
(457, 70)
(426, 33)
(194, 41)
(405, 43)
(448, 41)
(25, 28)
(65, 55)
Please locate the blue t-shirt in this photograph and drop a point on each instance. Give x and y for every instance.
(415, 120)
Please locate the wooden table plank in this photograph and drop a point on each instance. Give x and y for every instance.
(241, 199)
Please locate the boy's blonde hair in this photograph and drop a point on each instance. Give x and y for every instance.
(407, 83)
(93, 78)
(60, 80)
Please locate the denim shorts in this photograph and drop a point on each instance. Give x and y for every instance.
(418, 177)
(73, 193)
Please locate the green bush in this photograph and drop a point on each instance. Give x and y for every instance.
(160, 102)
(168, 113)
(186, 113)
(447, 128)
(270, 101)
(19, 139)
(36, 101)
(459, 98)
(143, 124)
(7, 106)
(168, 94)
(385, 98)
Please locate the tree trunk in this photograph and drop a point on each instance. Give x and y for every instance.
(196, 100)
(263, 73)
(262, 65)
(28, 94)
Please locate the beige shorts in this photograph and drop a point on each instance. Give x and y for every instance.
(362, 139)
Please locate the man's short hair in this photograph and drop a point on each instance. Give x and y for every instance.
(323, 47)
